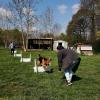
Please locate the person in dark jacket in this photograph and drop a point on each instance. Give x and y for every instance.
(59, 47)
(69, 61)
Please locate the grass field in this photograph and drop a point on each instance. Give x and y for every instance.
(19, 82)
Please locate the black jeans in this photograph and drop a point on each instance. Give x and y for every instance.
(12, 51)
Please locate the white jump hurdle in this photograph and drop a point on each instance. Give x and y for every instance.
(17, 54)
(38, 68)
(25, 59)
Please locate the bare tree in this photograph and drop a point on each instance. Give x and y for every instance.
(30, 17)
(47, 20)
(56, 29)
(47, 23)
(81, 25)
(92, 6)
(23, 11)
(5, 14)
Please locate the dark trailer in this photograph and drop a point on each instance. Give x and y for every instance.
(40, 43)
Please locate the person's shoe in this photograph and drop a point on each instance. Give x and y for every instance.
(69, 83)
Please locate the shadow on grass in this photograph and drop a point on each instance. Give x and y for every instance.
(76, 78)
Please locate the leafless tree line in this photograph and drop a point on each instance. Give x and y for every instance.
(21, 15)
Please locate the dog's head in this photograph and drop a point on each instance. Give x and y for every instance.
(44, 61)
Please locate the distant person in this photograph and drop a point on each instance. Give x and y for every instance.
(12, 47)
(69, 61)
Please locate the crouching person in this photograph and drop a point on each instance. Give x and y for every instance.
(69, 61)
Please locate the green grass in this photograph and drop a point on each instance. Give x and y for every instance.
(19, 82)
